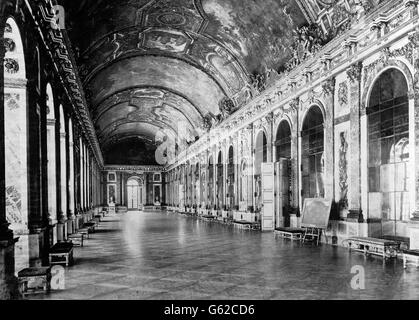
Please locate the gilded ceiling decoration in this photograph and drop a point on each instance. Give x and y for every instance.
(201, 54)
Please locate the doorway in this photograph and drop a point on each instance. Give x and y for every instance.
(135, 194)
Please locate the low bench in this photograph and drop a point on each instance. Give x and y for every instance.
(290, 233)
(84, 232)
(410, 257)
(77, 239)
(34, 280)
(61, 253)
(381, 247)
(246, 225)
(208, 218)
(91, 226)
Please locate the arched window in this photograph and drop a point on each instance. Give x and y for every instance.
(283, 177)
(312, 149)
(261, 152)
(196, 185)
(231, 177)
(220, 181)
(15, 140)
(203, 186)
(210, 181)
(71, 188)
(388, 149)
(51, 147)
(63, 162)
(283, 141)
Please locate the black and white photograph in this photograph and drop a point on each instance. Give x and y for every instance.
(209, 154)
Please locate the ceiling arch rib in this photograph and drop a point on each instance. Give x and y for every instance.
(160, 94)
(164, 116)
(195, 85)
(158, 128)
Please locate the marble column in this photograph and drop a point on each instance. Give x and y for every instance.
(354, 165)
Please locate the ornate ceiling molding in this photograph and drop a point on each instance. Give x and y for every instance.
(128, 94)
(200, 51)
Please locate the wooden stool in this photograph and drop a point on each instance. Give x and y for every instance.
(90, 226)
(77, 239)
(34, 280)
(410, 257)
(61, 253)
(290, 233)
(84, 232)
(381, 247)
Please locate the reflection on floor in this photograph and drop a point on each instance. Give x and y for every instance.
(161, 255)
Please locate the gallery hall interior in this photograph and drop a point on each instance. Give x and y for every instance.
(209, 149)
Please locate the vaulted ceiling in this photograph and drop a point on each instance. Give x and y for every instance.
(148, 65)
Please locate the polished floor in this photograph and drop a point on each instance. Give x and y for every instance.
(160, 255)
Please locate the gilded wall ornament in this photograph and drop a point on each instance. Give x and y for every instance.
(11, 65)
(9, 45)
(295, 103)
(354, 72)
(328, 87)
(12, 101)
(343, 93)
(343, 171)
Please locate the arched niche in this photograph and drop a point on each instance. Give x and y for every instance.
(312, 154)
(16, 141)
(283, 141)
(388, 150)
(15, 129)
(51, 163)
(261, 152)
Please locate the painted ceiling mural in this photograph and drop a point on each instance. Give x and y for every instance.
(200, 54)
